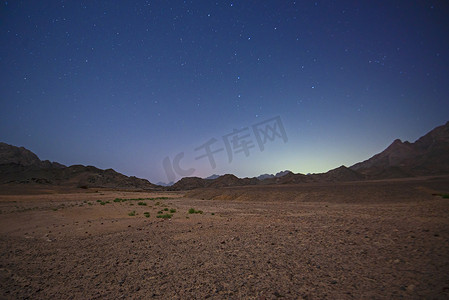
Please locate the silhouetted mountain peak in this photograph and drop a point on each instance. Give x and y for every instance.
(427, 156)
(20, 165)
(264, 176)
(283, 173)
(10, 154)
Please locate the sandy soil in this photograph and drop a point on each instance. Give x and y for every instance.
(377, 240)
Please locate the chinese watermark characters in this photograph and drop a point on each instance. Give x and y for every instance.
(238, 142)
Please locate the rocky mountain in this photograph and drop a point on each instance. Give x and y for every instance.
(20, 166)
(268, 176)
(265, 176)
(429, 155)
(20, 156)
(190, 183)
(288, 178)
(231, 180)
(282, 173)
(341, 173)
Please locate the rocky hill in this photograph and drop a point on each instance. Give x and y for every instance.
(20, 156)
(429, 155)
(339, 174)
(21, 166)
(190, 183)
(268, 176)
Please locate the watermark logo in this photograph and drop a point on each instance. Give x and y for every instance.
(237, 142)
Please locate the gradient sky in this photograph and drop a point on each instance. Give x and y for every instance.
(127, 84)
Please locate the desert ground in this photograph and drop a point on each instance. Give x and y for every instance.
(363, 240)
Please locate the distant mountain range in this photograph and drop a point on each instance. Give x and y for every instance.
(279, 174)
(429, 155)
(215, 176)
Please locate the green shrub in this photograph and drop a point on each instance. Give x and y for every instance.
(165, 216)
(132, 214)
(159, 198)
(193, 211)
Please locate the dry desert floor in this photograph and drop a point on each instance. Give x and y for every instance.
(364, 240)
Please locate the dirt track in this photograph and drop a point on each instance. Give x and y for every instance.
(379, 240)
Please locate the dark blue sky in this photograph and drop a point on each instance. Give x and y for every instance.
(127, 84)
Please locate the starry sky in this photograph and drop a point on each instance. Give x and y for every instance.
(166, 89)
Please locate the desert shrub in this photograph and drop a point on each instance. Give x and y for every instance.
(132, 214)
(159, 198)
(164, 216)
(193, 211)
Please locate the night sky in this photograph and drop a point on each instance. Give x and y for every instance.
(147, 87)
